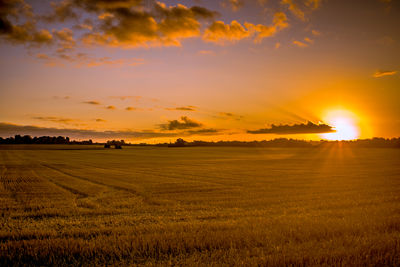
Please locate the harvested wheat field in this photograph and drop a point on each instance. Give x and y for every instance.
(199, 206)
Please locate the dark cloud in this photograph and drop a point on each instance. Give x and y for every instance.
(209, 131)
(111, 107)
(92, 102)
(62, 11)
(303, 128)
(184, 123)
(185, 108)
(130, 108)
(130, 26)
(100, 120)
(8, 129)
(25, 33)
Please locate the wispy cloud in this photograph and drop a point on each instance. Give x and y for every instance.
(185, 108)
(92, 102)
(56, 119)
(294, 8)
(309, 128)
(300, 44)
(382, 73)
(234, 5)
(229, 115)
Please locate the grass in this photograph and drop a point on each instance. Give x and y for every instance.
(199, 206)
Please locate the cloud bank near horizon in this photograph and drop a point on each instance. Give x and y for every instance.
(309, 128)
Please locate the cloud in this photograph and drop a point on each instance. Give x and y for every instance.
(92, 102)
(300, 44)
(66, 39)
(208, 131)
(279, 23)
(8, 129)
(186, 108)
(167, 26)
(309, 128)
(308, 40)
(130, 108)
(300, 8)
(125, 97)
(293, 7)
(234, 5)
(107, 61)
(382, 73)
(315, 32)
(62, 11)
(56, 119)
(80, 60)
(25, 33)
(313, 4)
(219, 32)
(184, 123)
(111, 107)
(100, 120)
(229, 115)
(206, 52)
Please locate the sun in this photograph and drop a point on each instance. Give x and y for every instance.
(344, 123)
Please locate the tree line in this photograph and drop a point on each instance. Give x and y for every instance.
(279, 142)
(27, 139)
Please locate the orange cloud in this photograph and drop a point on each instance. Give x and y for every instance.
(293, 7)
(186, 108)
(382, 73)
(279, 23)
(313, 4)
(133, 28)
(300, 44)
(219, 32)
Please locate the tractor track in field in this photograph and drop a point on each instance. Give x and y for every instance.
(115, 187)
(79, 194)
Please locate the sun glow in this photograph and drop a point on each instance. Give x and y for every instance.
(345, 123)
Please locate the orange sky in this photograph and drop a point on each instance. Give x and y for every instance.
(201, 70)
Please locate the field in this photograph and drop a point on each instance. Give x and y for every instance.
(199, 206)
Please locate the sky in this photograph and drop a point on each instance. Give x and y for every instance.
(148, 71)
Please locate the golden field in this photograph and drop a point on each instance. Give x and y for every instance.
(199, 206)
